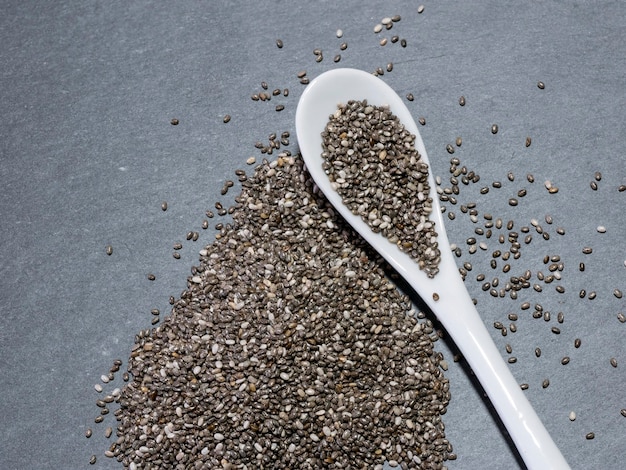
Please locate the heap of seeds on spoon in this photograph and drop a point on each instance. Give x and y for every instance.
(371, 161)
(291, 347)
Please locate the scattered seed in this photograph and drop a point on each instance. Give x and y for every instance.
(279, 43)
(541, 85)
(613, 362)
(565, 360)
(528, 141)
(494, 129)
(590, 436)
(174, 122)
(545, 383)
(462, 103)
(226, 118)
(617, 293)
(109, 250)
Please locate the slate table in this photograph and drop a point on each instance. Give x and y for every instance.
(88, 90)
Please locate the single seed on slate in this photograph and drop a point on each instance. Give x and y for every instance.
(494, 129)
(617, 293)
(528, 141)
(587, 250)
(109, 250)
(523, 386)
(343, 46)
(577, 343)
(545, 383)
(537, 352)
(164, 206)
(613, 362)
(226, 118)
(378, 28)
(151, 277)
(622, 188)
(88, 433)
(99, 419)
(593, 185)
(597, 175)
(176, 255)
(422, 121)
(279, 43)
(337, 58)
(530, 178)
(93, 460)
(592, 295)
(512, 202)
(389, 66)
(462, 102)
(590, 436)
(174, 122)
(623, 412)
(450, 149)
(565, 360)
(508, 348)
(621, 317)
(572, 416)
(410, 96)
(339, 33)
(541, 85)
(555, 330)
(512, 360)
(280, 107)
(420, 9)
(107, 432)
(403, 42)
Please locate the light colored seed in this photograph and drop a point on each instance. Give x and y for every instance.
(88, 433)
(623, 412)
(98, 388)
(587, 250)
(621, 317)
(572, 416)
(108, 432)
(339, 33)
(613, 362)
(435, 296)
(378, 28)
(617, 293)
(420, 9)
(462, 102)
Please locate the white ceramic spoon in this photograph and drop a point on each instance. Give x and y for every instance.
(454, 309)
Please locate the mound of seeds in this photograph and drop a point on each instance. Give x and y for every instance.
(289, 349)
(372, 163)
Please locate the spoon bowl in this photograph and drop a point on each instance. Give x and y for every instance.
(445, 294)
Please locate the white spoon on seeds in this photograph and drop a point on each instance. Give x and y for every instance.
(454, 307)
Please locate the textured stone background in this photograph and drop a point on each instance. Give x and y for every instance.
(87, 91)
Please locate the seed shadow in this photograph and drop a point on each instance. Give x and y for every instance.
(456, 352)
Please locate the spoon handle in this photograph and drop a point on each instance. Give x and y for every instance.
(457, 313)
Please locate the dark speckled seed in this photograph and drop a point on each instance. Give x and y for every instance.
(279, 43)
(541, 85)
(587, 250)
(174, 122)
(613, 362)
(88, 433)
(528, 141)
(422, 121)
(109, 250)
(494, 129)
(545, 383)
(93, 460)
(565, 360)
(226, 118)
(151, 277)
(524, 386)
(593, 185)
(410, 96)
(555, 330)
(590, 436)
(462, 100)
(538, 352)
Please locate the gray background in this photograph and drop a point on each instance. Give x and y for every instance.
(87, 91)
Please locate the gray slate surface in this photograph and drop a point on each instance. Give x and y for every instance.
(87, 91)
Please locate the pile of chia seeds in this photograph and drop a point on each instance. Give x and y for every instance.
(289, 349)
